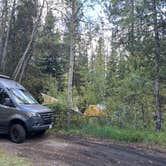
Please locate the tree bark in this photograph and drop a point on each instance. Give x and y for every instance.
(23, 58)
(23, 62)
(71, 64)
(143, 115)
(4, 54)
(132, 27)
(157, 75)
(3, 25)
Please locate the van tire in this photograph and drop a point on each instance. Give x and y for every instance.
(17, 133)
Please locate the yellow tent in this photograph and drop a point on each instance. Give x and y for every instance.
(93, 110)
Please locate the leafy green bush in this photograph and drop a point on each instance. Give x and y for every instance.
(60, 115)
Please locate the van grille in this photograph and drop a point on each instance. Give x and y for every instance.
(47, 117)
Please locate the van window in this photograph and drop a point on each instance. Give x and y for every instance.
(22, 96)
(3, 96)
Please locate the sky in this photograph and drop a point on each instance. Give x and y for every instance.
(96, 16)
(95, 13)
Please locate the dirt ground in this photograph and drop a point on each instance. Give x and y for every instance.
(52, 150)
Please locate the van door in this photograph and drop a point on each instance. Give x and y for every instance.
(7, 109)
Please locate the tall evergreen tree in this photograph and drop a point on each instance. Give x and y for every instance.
(21, 31)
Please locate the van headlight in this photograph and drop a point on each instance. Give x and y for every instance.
(33, 114)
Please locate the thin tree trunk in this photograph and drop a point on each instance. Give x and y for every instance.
(91, 48)
(3, 25)
(25, 64)
(70, 83)
(23, 68)
(132, 27)
(1, 40)
(135, 120)
(1, 47)
(71, 65)
(23, 59)
(4, 54)
(143, 115)
(157, 59)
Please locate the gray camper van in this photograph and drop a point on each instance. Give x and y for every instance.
(20, 113)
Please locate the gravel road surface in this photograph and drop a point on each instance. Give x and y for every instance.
(52, 150)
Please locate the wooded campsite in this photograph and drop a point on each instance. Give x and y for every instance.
(106, 54)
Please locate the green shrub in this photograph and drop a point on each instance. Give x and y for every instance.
(91, 127)
(60, 115)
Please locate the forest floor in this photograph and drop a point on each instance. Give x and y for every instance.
(54, 150)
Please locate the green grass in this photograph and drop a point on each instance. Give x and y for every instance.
(9, 160)
(120, 134)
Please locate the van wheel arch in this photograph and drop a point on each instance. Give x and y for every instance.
(18, 121)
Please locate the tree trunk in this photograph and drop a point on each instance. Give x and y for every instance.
(23, 62)
(143, 115)
(157, 60)
(23, 58)
(4, 54)
(3, 25)
(132, 27)
(71, 65)
(135, 119)
(1, 47)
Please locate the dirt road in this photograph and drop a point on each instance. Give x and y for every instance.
(73, 151)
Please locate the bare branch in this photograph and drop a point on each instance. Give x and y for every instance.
(79, 8)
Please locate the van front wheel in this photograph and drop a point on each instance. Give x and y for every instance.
(17, 133)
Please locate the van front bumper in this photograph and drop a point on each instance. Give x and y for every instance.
(37, 124)
(42, 127)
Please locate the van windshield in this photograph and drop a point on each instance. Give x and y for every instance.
(22, 96)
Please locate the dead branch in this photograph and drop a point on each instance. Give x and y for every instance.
(24, 57)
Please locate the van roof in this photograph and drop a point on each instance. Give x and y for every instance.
(8, 83)
(4, 76)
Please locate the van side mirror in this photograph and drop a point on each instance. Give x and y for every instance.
(8, 102)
